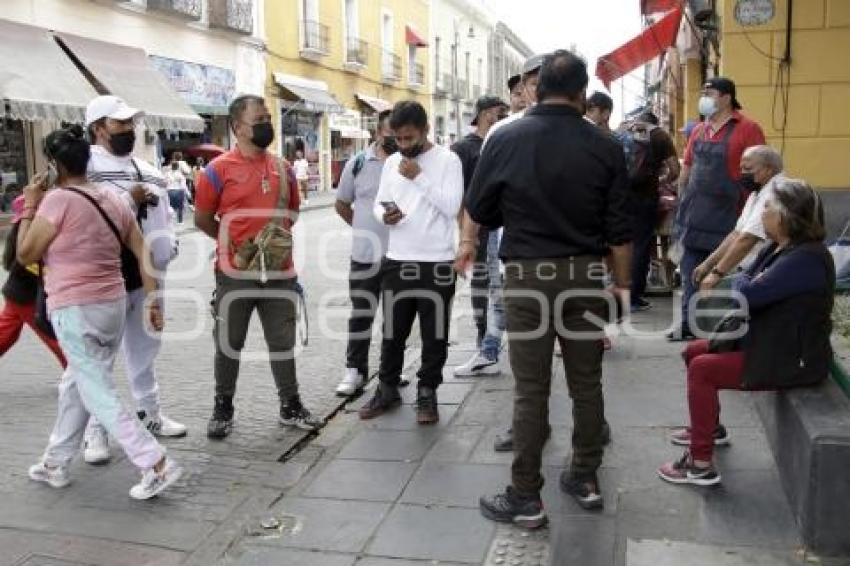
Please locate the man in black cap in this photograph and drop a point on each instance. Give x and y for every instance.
(488, 111)
(709, 185)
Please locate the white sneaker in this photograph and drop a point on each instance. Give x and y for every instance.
(97, 446)
(153, 483)
(162, 426)
(54, 477)
(478, 365)
(351, 382)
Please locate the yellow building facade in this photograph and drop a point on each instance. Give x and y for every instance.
(332, 65)
(816, 117)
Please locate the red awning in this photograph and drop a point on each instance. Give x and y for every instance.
(412, 38)
(650, 44)
(654, 6)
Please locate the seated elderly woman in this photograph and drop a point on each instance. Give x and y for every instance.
(788, 292)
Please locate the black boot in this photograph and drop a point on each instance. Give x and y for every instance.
(221, 422)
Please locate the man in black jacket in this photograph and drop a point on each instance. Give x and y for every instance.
(488, 111)
(559, 186)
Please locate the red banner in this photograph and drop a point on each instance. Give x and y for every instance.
(648, 7)
(650, 44)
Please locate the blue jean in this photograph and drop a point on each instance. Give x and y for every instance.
(492, 342)
(691, 258)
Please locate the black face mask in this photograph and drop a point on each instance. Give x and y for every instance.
(412, 151)
(122, 144)
(389, 145)
(263, 135)
(748, 181)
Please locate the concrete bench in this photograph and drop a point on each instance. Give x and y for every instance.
(809, 434)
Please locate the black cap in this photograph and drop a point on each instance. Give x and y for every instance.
(533, 64)
(724, 86)
(512, 82)
(484, 103)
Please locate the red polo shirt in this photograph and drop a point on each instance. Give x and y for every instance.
(747, 134)
(243, 192)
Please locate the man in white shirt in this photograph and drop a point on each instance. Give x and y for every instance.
(418, 199)
(302, 174)
(355, 201)
(111, 124)
(761, 169)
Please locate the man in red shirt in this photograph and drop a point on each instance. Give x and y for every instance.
(236, 196)
(711, 194)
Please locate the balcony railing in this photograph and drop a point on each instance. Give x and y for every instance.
(316, 37)
(356, 51)
(390, 66)
(232, 15)
(417, 74)
(190, 9)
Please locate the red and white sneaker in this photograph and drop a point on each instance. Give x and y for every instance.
(682, 437)
(683, 471)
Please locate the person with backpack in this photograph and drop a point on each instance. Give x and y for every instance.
(19, 294)
(111, 125)
(355, 199)
(651, 159)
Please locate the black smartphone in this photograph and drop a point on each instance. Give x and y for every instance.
(389, 205)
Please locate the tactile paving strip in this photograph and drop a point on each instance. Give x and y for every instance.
(513, 546)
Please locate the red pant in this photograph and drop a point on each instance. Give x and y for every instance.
(12, 320)
(707, 375)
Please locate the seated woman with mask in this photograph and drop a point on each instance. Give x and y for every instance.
(788, 292)
(80, 231)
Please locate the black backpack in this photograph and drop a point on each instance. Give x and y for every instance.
(637, 147)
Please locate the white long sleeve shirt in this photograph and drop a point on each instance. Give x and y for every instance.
(430, 204)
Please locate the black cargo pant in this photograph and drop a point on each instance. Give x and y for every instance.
(538, 303)
(364, 285)
(480, 287)
(275, 303)
(409, 289)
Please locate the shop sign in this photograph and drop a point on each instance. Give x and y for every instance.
(198, 85)
(347, 121)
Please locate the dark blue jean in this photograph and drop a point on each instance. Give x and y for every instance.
(691, 258)
(645, 219)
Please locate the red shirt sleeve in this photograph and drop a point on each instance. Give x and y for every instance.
(208, 188)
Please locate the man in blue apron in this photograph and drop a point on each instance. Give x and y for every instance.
(711, 194)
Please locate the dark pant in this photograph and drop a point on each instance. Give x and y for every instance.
(531, 297)
(177, 199)
(479, 292)
(364, 284)
(275, 303)
(645, 219)
(691, 258)
(409, 289)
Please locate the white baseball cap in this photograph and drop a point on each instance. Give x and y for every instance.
(109, 106)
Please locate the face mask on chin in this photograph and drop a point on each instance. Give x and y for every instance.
(389, 145)
(122, 143)
(412, 151)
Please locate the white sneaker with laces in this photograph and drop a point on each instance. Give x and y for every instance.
(54, 477)
(162, 426)
(154, 482)
(478, 365)
(351, 382)
(97, 446)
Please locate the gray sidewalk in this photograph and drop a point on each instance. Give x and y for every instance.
(387, 492)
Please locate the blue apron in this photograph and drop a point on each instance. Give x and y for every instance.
(709, 207)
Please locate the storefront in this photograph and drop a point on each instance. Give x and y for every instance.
(304, 105)
(208, 90)
(43, 89)
(347, 138)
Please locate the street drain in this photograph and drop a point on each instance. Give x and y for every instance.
(517, 547)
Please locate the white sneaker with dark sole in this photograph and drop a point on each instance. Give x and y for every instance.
(351, 383)
(477, 366)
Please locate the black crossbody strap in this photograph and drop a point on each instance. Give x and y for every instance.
(138, 171)
(101, 211)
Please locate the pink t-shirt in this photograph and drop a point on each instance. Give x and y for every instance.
(84, 259)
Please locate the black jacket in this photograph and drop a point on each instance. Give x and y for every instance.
(469, 150)
(21, 285)
(557, 184)
(787, 344)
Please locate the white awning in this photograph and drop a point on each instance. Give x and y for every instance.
(314, 95)
(376, 104)
(127, 72)
(37, 79)
(353, 133)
